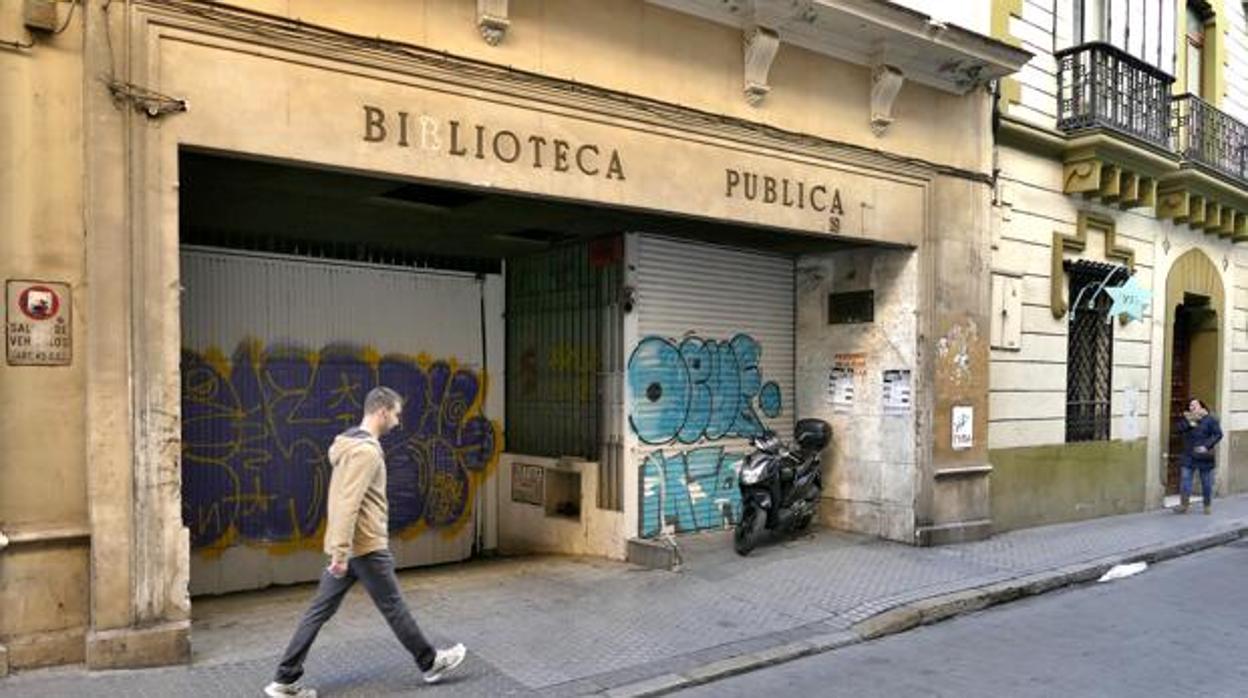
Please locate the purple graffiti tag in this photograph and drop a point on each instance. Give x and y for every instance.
(255, 436)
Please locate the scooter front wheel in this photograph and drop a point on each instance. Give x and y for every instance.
(745, 537)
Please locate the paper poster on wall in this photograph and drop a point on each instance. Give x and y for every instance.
(963, 427)
(896, 395)
(855, 363)
(842, 380)
(841, 389)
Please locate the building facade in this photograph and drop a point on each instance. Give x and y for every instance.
(1122, 153)
(597, 246)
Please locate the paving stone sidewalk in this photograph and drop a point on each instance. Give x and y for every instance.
(575, 626)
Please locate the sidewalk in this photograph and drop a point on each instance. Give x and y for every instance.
(573, 626)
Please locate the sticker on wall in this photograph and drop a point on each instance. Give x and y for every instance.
(37, 324)
(528, 483)
(896, 396)
(963, 427)
(1130, 414)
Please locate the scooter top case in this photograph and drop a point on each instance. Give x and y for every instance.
(812, 434)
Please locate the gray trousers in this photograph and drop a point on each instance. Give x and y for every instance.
(376, 571)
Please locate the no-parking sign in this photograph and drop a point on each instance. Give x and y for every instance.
(38, 330)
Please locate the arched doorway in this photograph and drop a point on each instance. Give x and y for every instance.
(1194, 307)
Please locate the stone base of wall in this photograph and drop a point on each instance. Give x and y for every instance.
(43, 649)
(1066, 482)
(1237, 463)
(948, 534)
(134, 648)
(885, 520)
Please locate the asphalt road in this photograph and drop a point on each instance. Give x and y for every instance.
(1178, 629)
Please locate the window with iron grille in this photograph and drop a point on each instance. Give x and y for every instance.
(1089, 352)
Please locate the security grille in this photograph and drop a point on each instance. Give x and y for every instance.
(1089, 352)
(564, 327)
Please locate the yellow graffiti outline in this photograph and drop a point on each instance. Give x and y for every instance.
(218, 361)
(475, 479)
(256, 352)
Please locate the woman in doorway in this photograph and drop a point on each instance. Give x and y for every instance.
(1201, 433)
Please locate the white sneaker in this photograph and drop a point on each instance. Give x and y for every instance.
(445, 662)
(288, 690)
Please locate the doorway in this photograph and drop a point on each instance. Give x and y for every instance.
(1193, 370)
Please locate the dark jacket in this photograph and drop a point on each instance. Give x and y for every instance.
(1207, 433)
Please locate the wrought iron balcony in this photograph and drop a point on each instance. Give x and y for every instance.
(1102, 86)
(1206, 136)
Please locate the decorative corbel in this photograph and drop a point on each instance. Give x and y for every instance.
(886, 81)
(492, 20)
(761, 45)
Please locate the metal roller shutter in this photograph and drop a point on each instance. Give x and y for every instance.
(713, 365)
(277, 355)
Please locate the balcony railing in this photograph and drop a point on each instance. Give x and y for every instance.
(1204, 135)
(1102, 86)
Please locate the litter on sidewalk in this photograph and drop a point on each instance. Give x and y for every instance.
(1123, 571)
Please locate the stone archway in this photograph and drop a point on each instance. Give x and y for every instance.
(1195, 311)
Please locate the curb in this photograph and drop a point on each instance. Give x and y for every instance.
(923, 612)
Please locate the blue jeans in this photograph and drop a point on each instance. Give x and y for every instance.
(1206, 482)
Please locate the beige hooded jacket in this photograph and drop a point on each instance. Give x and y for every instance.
(358, 510)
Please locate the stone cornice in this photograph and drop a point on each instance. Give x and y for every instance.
(939, 55)
(1030, 137)
(258, 30)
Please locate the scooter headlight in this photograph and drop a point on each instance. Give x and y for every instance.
(752, 470)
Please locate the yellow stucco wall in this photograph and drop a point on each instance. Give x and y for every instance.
(43, 588)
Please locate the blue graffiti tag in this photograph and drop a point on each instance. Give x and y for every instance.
(695, 391)
(255, 433)
(690, 490)
(698, 389)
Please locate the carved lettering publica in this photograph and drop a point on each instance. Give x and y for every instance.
(481, 142)
(789, 193)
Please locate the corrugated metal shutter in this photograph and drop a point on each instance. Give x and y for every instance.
(278, 353)
(713, 364)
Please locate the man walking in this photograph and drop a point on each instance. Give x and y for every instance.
(358, 546)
